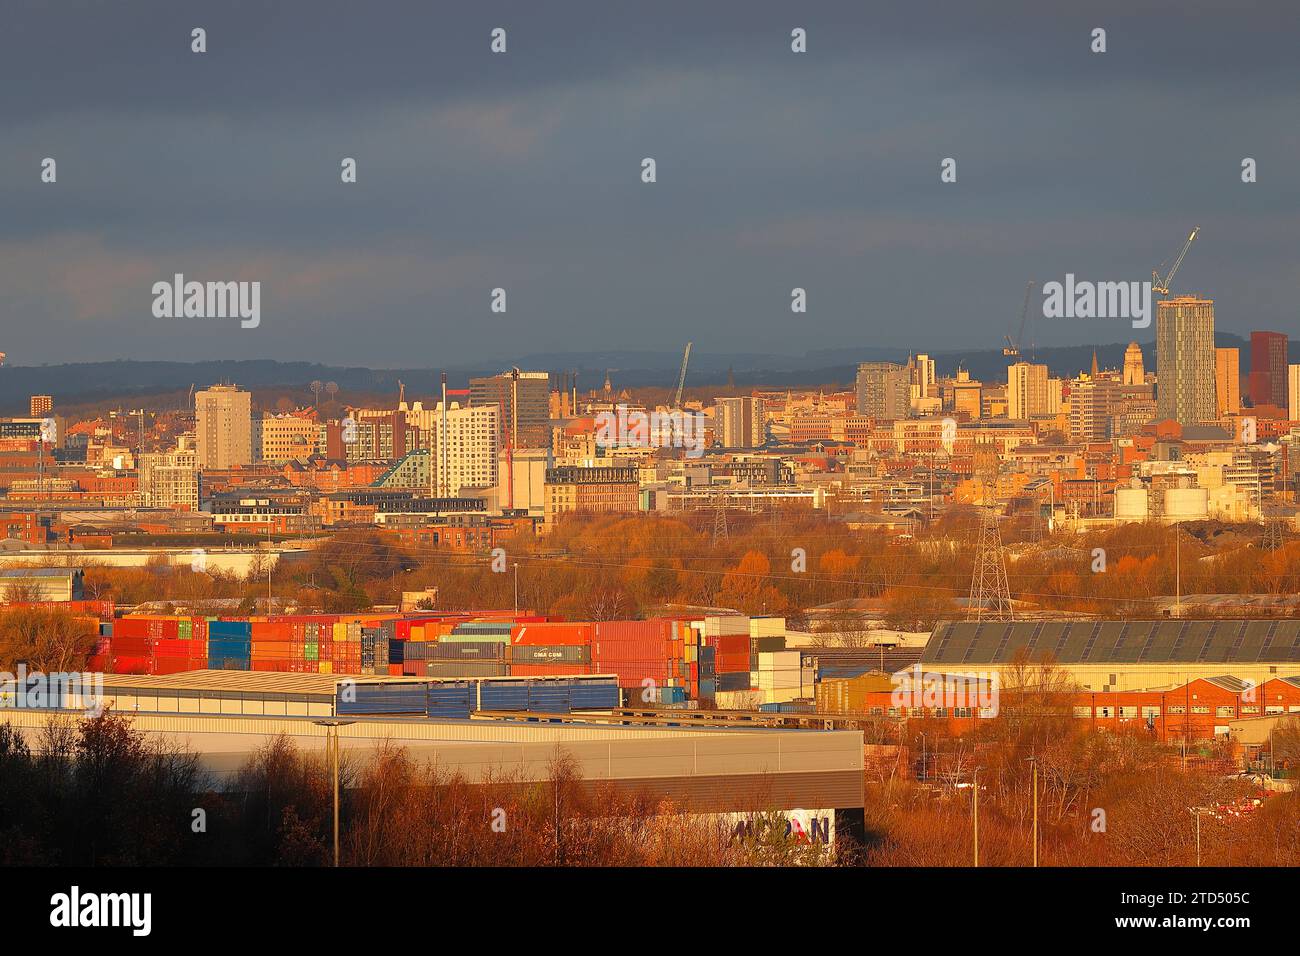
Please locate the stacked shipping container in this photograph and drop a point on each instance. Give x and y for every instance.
(665, 661)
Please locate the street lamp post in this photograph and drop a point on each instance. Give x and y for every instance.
(332, 746)
(516, 587)
(975, 814)
(1196, 812)
(1034, 763)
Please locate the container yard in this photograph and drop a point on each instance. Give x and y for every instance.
(718, 661)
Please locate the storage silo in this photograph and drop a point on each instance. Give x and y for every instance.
(1131, 504)
(1187, 504)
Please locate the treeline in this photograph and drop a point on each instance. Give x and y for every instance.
(602, 567)
(95, 793)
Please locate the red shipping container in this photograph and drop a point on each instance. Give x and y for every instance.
(123, 664)
(175, 665)
(731, 644)
(568, 634)
(171, 647)
(130, 627)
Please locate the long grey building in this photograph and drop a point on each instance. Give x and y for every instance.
(1121, 655)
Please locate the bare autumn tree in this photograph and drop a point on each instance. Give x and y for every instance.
(94, 791)
(844, 627)
(22, 592)
(1285, 742)
(48, 640)
(1150, 818)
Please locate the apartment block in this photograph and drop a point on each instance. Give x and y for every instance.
(224, 429)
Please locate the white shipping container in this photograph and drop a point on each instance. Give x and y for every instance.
(726, 625)
(779, 660)
(780, 695)
(767, 627)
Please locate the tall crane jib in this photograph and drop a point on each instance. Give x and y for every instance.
(1014, 346)
(681, 378)
(1160, 286)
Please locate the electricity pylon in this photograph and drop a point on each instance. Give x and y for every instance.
(720, 518)
(990, 592)
(1274, 533)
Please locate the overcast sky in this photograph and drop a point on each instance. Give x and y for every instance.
(522, 170)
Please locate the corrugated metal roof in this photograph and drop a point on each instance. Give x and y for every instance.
(1231, 684)
(1115, 642)
(402, 730)
(253, 682)
(705, 769)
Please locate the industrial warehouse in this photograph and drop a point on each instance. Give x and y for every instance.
(486, 728)
(1104, 656)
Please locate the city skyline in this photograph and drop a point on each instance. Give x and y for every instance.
(522, 171)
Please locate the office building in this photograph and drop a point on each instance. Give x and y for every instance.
(1227, 381)
(1293, 393)
(739, 422)
(523, 399)
(1093, 403)
(1268, 369)
(923, 377)
(1026, 390)
(884, 390)
(224, 428)
(468, 441)
(1185, 361)
(170, 479)
(288, 438)
(591, 489)
(967, 396)
(41, 405)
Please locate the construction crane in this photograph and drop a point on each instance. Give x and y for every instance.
(681, 378)
(1013, 347)
(1161, 286)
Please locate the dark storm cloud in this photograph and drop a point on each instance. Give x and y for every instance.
(776, 170)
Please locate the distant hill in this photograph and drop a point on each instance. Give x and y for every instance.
(99, 381)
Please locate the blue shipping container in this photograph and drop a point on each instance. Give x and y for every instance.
(396, 698)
